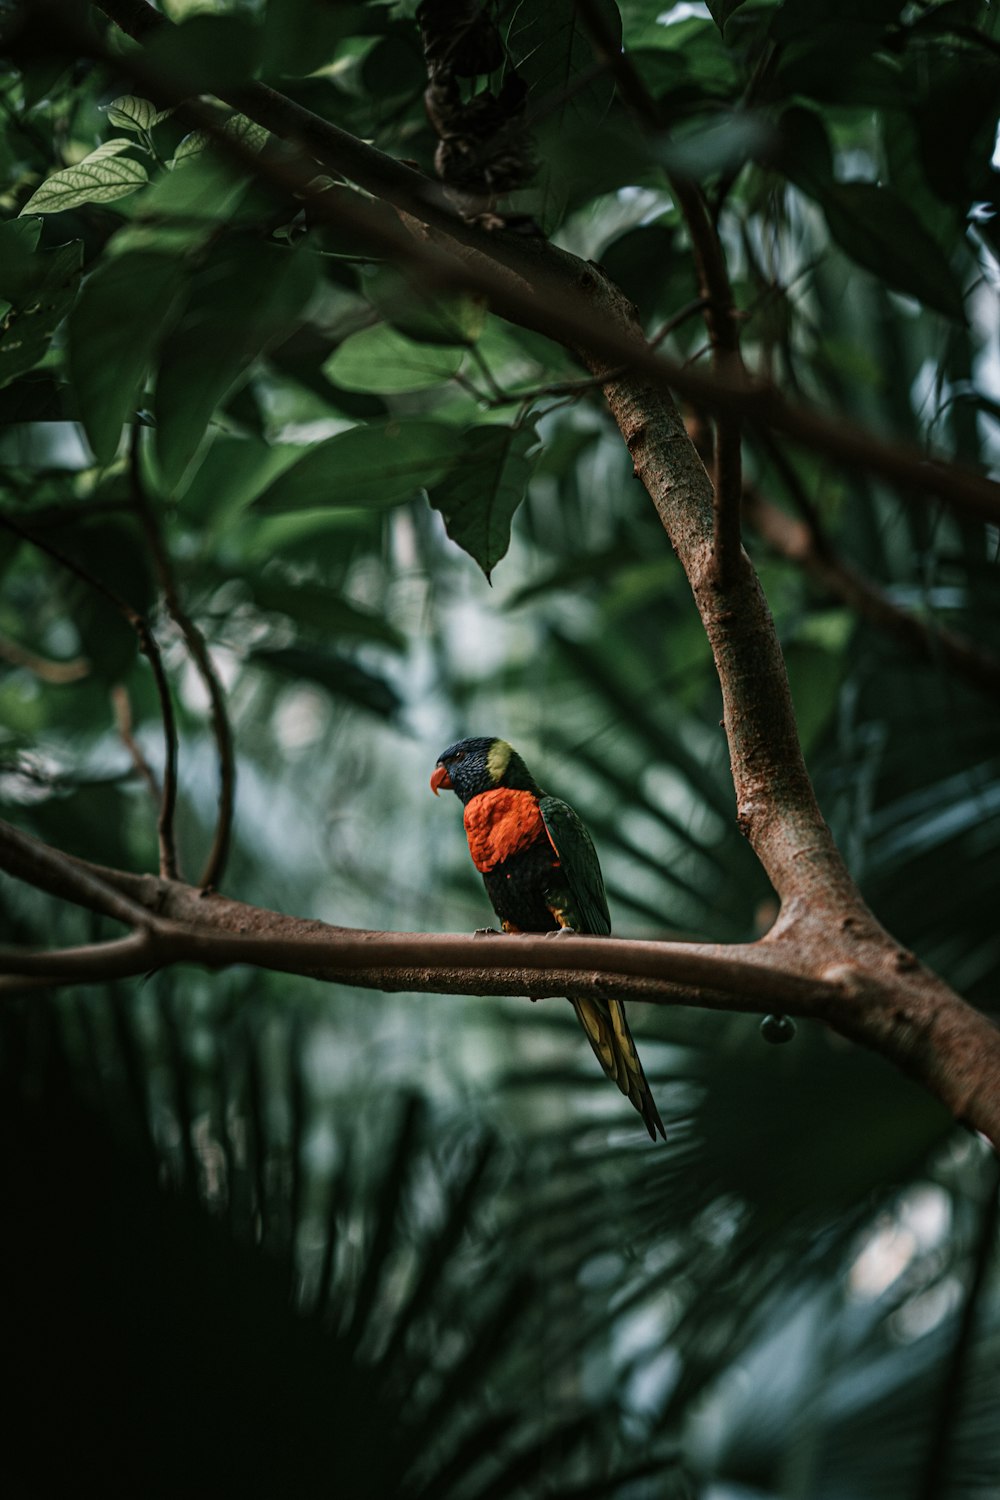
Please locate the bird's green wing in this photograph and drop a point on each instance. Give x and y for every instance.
(574, 893)
(577, 886)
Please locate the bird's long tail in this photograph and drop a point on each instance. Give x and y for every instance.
(609, 1035)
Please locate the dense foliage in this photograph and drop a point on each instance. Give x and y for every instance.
(396, 518)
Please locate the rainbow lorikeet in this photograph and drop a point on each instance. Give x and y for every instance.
(541, 873)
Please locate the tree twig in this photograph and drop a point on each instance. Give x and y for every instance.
(151, 651)
(122, 706)
(201, 656)
(571, 388)
(48, 869)
(43, 667)
(119, 958)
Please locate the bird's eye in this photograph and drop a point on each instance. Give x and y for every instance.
(459, 756)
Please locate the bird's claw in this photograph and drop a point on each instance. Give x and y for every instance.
(563, 932)
(487, 932)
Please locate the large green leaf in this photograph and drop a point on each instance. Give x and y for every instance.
(18, 266)
(247, 296)
(377, 465)
(130, 112)
(339, 676)
(881, 232)
(230, 473)
(480, 495)
(203, 188)
(299, 38)
(872, 224)
(551, 48)
(317, 608)
(383, 360)
(113, 330)
(721, 11)
(102, 177)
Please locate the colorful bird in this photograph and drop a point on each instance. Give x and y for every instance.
(541, 873)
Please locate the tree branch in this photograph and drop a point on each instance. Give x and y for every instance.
(42, 667)
(48, 869)
(201, 656)
(91, 963)
(898, 1008)
(123, 723)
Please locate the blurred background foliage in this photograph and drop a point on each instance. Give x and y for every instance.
(262, 1234)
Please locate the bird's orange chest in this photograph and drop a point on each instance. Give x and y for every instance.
(501, 823)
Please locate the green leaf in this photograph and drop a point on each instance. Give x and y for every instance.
(180, 210)
(550, 47)
(422, 316)
(301, 37)
(723, 144)
(342, 678)
(377, 465)
(41, 307)
(18, 263)
(721, 10)
(317, 607)
(191, 146)
(243, 297)
(246, 131)
(804, 152)
(479, 497)
(113, 330)
(382, 360)
(880, 231)
(839, 65)
(102, 177)
(129, 112)
(232, 472)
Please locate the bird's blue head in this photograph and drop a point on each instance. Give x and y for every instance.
(470, 767)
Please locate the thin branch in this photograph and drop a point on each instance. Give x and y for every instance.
(48, 869)
(123, 723)
(528, 281)
(42, 667)
(573, 388)
(120, 958)
(151, 651)
(201, 656)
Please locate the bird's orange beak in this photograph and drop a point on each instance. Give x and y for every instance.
(440, 780)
